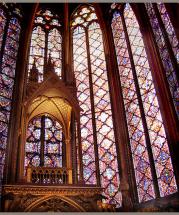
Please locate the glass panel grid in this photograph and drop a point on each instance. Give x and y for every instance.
(138, 146)
(83, 94)
(164, 53)
(54, 48)
(46, 39)
(7, 75)
(108, 165)
(2, 25)
(52, 143)
(159, 143)
(107, 155)
(169, 29)
(37, 51)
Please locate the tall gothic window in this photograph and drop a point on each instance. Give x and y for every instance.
(9, 42)
(148, 143)
(46, 40)
(168, 47)
(99, 156)
(44, 143)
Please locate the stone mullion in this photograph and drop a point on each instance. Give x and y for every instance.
(73, 145)
(63, 150)
(42, 141)
(81, 179)
(67, 57)
(142, 112)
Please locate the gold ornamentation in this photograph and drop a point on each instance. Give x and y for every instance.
(52, 190)
(45, 198)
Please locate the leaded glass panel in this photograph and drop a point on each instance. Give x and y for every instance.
(51, 146)
(46, 41)
(150, 106)
(138, 146)
(93, 94)
(10, 25)
(170, 68)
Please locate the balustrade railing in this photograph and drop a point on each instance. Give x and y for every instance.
(49, 175)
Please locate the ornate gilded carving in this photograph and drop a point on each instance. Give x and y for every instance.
(89, 202)
(51, 198)
(52, 190)
(49, 175)
(18, 202)
(55, 205)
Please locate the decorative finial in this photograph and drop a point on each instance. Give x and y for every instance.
(33, 76)
(49, 67)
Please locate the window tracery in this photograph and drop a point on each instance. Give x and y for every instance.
(10, 27)
(46, 41)
(44, 143)
(147, 135)
(98, 141)
(168, 47)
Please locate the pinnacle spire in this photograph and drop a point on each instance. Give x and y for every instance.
(33, 76)
(50, 66)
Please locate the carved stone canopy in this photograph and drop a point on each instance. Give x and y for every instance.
(52, 86)
(53, 106)
(53, 98)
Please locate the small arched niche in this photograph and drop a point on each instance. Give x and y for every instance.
(45, 143)
(51, 101)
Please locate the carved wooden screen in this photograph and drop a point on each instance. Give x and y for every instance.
(168, 47)
(9, 42)
(44, 143)
(148, 143)
(46, 40)
(99, 155)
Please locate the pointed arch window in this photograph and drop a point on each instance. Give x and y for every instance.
(168, 46)
(99, 156)
(153, 168)
(44, 143)
(46, 40)
(10, 19)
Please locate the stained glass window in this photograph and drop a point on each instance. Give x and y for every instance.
(9, 42)
(32, 146)
(168, 46)
(3, 23)
(44, 142)
(46, 40)
(142, 109)
(53, 143)
(83, 94)
(169, 29)
(37, 50)
(99, 156)
(54, 48)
